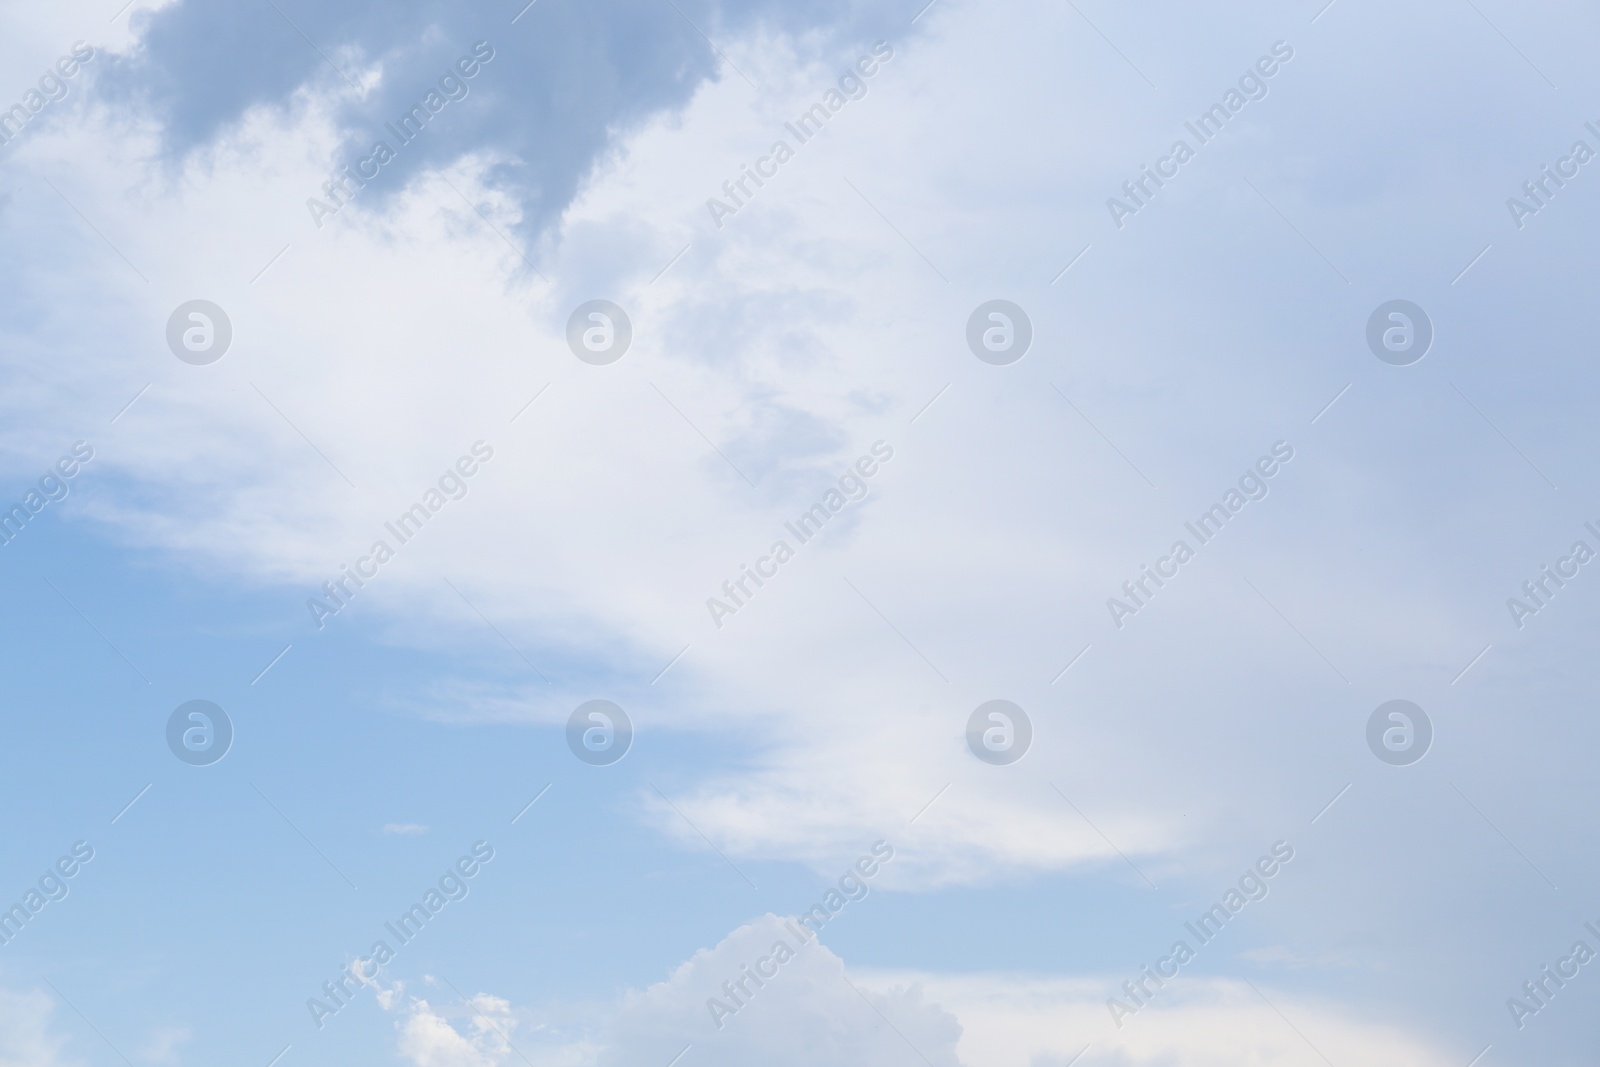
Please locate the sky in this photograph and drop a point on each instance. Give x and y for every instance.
(682, 534)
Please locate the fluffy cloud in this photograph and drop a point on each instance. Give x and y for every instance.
(429, 1039)
(407, 329)
(793, 337)
(810, 1011)
(776, 349)
(27, 1032)
(816, 1010)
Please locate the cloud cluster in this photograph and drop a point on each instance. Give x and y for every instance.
(816, 1010)
(770, 352)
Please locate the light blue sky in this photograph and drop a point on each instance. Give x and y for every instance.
(769, 353)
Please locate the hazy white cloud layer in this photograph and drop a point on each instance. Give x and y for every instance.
(801, 529)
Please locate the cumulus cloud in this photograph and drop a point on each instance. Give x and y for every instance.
(428, 1038)
(809, 1011)
(814, 1009)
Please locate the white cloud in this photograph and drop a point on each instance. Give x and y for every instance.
(27, 1037)
(428, 1039)
(164, 1042)
(404, 829)
(816, 1010)
(395, 341)
(1013, 1020)
(795, 336)
(809, 1012)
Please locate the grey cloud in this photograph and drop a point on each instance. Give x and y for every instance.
(565, 77)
